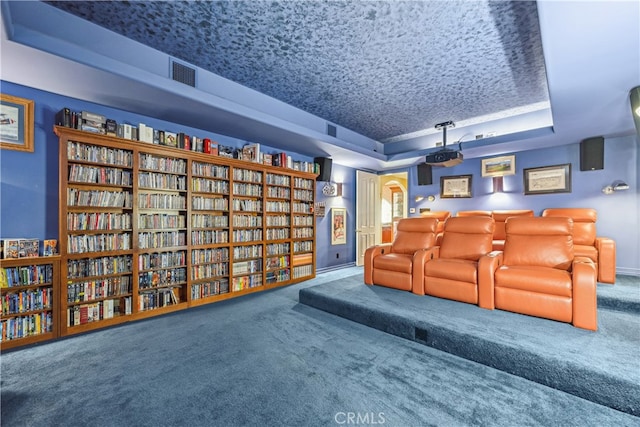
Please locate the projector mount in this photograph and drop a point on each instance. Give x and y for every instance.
(444, 126)
(445, 156)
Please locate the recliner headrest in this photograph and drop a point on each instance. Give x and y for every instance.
(417, 224)
(469, 225)
(577, 214)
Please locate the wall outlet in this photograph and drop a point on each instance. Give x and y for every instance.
(412, 210)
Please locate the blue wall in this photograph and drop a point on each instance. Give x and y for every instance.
(29, 184)
(618, 214)
(29, 181)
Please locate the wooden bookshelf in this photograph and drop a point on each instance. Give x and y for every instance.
(278, 229)
(161, 231)
(30, 302)
(303, 258)
(97, 237)
(209, 231)
(179, 229)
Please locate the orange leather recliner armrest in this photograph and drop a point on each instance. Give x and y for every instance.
(585, 299)
(419, 259)
(369, 255)
(487, 266)
(606, 259)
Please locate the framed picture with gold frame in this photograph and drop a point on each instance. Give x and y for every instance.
(16, 123)
(499, 166)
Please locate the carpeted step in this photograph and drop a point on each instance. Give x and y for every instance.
(602, 366)
(623, 296)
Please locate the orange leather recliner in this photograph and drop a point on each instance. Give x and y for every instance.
(395, 265)
(500, 217)
(539, 275)
(462, 267)
(473, 213)
(442, 217)
(601, 250)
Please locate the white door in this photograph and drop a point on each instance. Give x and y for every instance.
(367, 213)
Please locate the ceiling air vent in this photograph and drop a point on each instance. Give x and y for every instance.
(183, 74)
(331, 130)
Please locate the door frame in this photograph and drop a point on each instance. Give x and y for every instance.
(368, 226)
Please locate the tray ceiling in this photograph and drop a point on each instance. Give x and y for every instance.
(386, 70)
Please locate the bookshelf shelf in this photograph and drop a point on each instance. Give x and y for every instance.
(29, 289)
(44, 309)
(106, 231)
(186, 228)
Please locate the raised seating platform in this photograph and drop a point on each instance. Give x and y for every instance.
(602, 367)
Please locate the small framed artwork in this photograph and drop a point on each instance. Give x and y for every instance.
(458, 186)
(16, 123)
(499, 166)
(548, 179)
(338, 226)
(320, 208)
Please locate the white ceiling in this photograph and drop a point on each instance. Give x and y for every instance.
(496, 73)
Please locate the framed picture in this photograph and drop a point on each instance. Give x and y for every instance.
(548, 179)
(338, 226)
(499, 166)
(320, 208)
(458, 186)
(16, 123)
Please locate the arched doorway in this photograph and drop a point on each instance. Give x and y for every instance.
(393, 203)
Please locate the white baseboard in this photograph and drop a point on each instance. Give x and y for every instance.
(334, 267)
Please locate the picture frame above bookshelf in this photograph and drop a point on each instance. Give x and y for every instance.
(16, 123)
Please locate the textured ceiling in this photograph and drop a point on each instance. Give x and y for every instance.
(380, 68)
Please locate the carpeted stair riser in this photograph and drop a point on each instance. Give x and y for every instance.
(561, 374)
(624, 296)
(556, 373)
(608, 303)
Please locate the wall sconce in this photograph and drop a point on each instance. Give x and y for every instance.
(430, 198)
(634, 98)
(332, 189)
(419, 198)
(616, 186)
(498, 184)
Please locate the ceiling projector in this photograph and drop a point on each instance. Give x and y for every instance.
(444, 157)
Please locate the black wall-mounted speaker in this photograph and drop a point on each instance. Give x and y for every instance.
(425, 176)
(325, 168)
(592, 154)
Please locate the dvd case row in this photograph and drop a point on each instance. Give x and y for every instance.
(20, 247)
(97, 123)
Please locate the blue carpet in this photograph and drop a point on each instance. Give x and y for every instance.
(602, 366)
(266, 360)
(623, 296)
